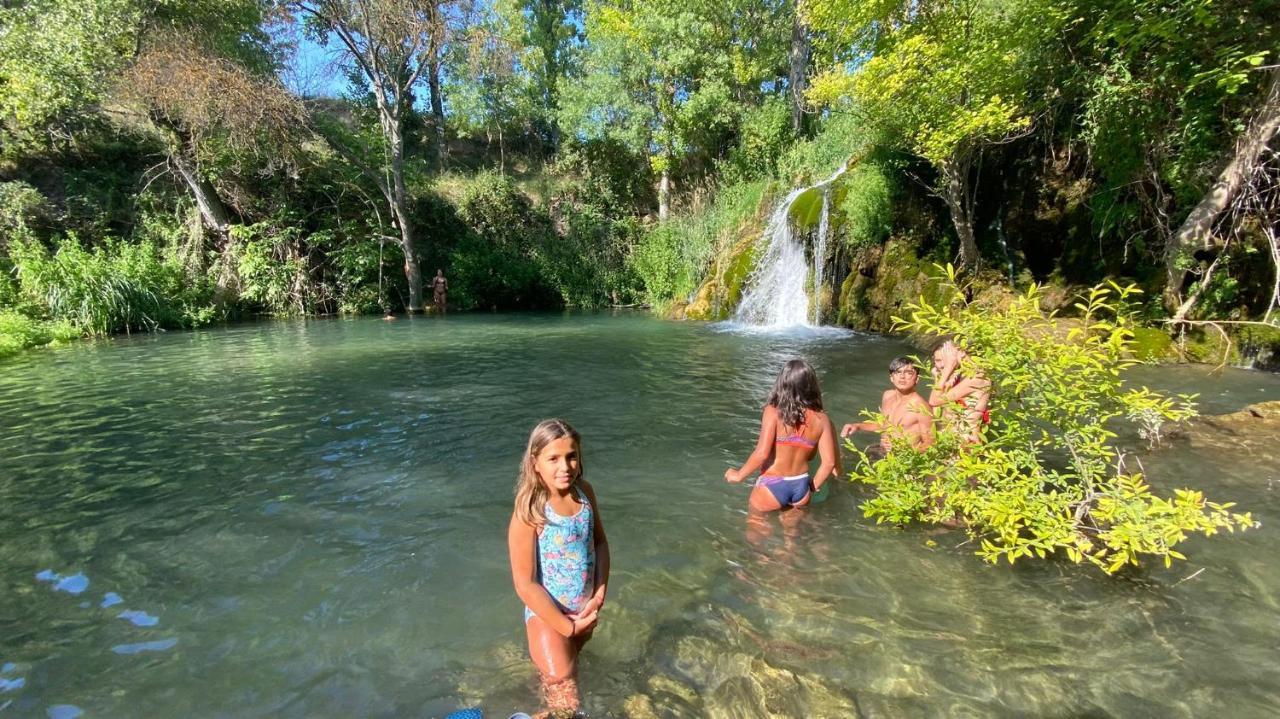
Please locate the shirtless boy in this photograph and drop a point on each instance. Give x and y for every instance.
(905, 412)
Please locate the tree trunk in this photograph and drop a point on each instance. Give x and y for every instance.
(798, 75)
(400, 209)
(212, 210)
(1198, 225)
(548, 17)
(217, 218)
(664, 194)
(437, 108)
(955, 191)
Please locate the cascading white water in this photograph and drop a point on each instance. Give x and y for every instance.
(820, 253)
(778, 289)
(776, 297)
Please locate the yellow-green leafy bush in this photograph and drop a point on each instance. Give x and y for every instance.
(1049, 478)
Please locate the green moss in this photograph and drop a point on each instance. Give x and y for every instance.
(1248, 345)
(806, 209)
(740, 267)
(1152, 344)
(849, 309)
(882, 282)
(1260, 346)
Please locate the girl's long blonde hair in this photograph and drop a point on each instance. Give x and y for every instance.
(531, 493)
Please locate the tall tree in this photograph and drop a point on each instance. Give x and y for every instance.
(202, 102)
(491, 90)
(947, 79)
(195, 71)
(553, 33)
(798, 68)
(58, 59)
(654, 78)
(391, 43)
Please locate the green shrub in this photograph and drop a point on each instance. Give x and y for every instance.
(1049, 478)
(764, 133)
(585, 263)
(607, 175)
(497, 262)
(114, 287)
(867, 205)
(840, 137)
(355, 262)
(672, 257)
(21, 205)
(273, 271)
(18, 332)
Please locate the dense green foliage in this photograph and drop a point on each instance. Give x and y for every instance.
(1050, 476)
(155, 171)
(18, 332)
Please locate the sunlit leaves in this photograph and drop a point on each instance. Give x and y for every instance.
(1050, 478)
(57, 56)
(943, 77)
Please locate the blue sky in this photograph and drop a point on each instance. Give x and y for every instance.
(314, 69)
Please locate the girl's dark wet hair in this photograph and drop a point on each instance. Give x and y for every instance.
(796, 391)
(899, 363)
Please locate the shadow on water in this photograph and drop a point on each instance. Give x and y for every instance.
(308, 519)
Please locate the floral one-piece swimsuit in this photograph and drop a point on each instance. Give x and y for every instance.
(567, 557)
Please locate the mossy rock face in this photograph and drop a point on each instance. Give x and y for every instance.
(1260, 347)
(805, 212)
(883, 282)
(806, 209)
(719, 295)
(704, 306)
(1151, 344)
(1208, 346)
(735, 276)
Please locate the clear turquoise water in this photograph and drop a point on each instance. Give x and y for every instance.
(310, 518)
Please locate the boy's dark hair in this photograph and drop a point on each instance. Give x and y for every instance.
(796, 391)
(900, 362)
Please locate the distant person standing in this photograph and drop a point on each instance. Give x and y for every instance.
(439, 290)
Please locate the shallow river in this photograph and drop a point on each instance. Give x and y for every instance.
(307, 519)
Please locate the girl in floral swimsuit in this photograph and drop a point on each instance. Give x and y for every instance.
(792, 429)
(559, 558)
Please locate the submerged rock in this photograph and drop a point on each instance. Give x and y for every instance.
(1252, 430)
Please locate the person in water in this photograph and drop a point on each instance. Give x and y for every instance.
(792, 429)
(906, 414)
(559, 558)
(961, 397)
(439, 290)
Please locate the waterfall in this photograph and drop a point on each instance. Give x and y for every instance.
(777, 297)
(820, 253)
(998, 223)
(779, 288)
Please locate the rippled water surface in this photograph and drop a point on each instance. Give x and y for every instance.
(307, 519)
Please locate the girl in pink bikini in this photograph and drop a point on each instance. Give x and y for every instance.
(793, 428)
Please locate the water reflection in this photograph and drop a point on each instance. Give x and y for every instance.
(158, 645)
(316, 510)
